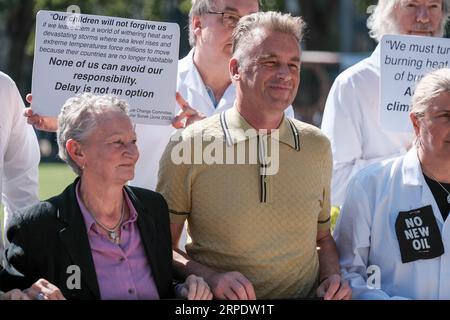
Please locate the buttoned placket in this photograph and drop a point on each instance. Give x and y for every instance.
(263, 160)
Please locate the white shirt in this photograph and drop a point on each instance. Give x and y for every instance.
(19, 153)
(365, 232)
(351, 122)
(152, 139)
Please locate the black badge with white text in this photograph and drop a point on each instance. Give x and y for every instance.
(418, 235)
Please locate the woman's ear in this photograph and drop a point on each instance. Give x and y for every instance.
(75, 151)
(416, 123)
(234, 69)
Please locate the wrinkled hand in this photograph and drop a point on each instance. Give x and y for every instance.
(334, 288)
(15, 294)
(195, 288)
(42, 123)
(187, 114)
(231, 286)
(44, 290)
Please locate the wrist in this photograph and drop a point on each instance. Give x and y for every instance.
(322, 280)
(178, 290)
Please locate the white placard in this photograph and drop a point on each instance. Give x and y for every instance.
(404, 61)
(134, 59)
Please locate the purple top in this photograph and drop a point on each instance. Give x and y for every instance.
(123, 271)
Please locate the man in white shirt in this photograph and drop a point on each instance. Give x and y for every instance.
(19, 154)
(351, 117)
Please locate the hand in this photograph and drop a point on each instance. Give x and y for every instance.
(49, 124)
(195, 288)
(187, 114)
(334, 288)
(44, 290)
(231, 286)
(15, 294)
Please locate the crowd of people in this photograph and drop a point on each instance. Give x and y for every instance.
(258, 215)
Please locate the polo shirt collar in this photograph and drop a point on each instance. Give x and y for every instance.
(236, 129)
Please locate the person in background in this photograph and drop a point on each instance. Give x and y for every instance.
(393, 234)
(351, 116)
(19, 156)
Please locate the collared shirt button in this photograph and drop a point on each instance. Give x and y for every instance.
(130, 291)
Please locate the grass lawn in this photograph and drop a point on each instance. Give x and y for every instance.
(53, 179)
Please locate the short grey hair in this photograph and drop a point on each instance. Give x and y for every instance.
(199, 7)
(244, 33)
(430, 87)
(382, 22)
(79, 117)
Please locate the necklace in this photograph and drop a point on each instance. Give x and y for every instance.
(448, 192)
(112, 233)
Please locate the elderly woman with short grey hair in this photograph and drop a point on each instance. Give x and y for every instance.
(98, 239)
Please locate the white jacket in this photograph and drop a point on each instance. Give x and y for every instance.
(19, 153)
(152, 140)
(365, 232)
(351, 122)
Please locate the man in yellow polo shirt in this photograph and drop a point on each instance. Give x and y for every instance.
(254, 184)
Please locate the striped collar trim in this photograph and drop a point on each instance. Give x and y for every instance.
(235, 129)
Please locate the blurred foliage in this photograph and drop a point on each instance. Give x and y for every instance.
(275, 5)
(334, 215)
(185, 6)
(362, 6)
(19, 17)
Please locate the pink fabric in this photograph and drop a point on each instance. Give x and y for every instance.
(123, 271)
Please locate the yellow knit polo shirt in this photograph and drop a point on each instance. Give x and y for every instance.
(239, 217)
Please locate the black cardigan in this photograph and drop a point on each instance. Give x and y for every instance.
(48, 237)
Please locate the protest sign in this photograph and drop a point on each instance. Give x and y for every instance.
(135, 60)
(404, 61)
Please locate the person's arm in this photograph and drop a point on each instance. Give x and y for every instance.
(40, 290)
(19, 262)
(194, 288)
(352, 235)
(331, 285)
(176, 190)
(229, 285)
(44, 290)
(14, 294)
